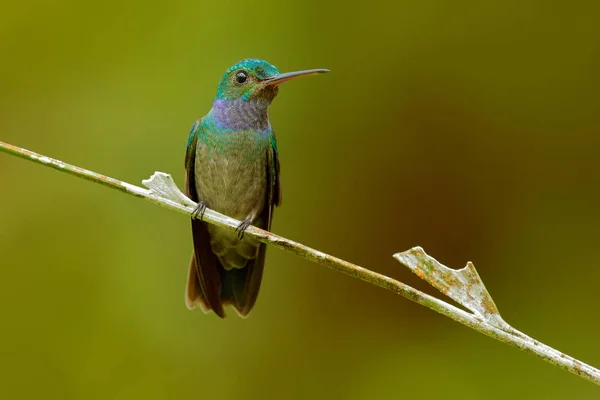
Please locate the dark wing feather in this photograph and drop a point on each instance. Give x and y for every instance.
(204, 281)
(273, 168)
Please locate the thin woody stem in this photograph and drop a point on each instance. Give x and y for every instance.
(164, 192)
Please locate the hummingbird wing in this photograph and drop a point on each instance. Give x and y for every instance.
(204, 280)
(273, 168)
(242, 285)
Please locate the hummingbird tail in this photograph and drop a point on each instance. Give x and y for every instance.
(210, 286)
(241, 286)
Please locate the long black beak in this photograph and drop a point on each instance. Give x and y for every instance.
(279, 79)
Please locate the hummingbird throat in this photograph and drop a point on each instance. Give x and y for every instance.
(241, 114)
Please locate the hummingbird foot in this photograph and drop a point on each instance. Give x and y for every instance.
(241, 228)
(199, 211)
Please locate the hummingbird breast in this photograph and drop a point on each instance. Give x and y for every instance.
(230, 172)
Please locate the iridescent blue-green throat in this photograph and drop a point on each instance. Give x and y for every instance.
(232, 167)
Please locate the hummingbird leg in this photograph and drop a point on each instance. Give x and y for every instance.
(200, 208)
(241, 228)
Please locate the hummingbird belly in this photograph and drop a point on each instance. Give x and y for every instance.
(233, 182)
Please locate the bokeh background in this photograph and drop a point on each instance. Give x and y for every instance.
(469, 128)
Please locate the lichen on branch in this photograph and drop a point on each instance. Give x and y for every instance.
(464, 285)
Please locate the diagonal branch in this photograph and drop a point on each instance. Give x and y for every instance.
(464, 285)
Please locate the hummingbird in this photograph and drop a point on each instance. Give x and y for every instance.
(232, 167)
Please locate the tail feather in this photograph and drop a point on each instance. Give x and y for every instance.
(241, 286)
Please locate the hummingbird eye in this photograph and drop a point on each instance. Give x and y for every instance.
(241, 77)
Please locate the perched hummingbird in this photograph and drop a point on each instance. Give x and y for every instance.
(232, 167)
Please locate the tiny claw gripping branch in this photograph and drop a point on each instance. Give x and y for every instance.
(241, 228)
(199, 211)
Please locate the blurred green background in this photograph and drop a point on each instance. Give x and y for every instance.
(469, 128)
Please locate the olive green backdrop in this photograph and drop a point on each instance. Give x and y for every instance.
(469, 128)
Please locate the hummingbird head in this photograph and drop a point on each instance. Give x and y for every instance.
(255, 79)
